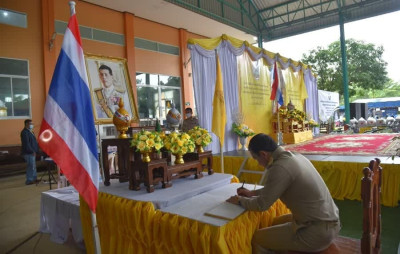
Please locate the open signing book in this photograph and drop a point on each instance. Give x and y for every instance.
(225, 211)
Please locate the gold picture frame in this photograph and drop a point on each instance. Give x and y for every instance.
(109, 81)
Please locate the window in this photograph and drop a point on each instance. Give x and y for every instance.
(13, 18)
(155, 94)
(14, 89)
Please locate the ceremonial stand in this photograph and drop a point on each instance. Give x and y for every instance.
(164, 170)
(124, 158)
(200, 156)
(150, 173)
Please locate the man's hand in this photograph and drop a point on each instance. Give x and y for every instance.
(234, 200)
(244, 192)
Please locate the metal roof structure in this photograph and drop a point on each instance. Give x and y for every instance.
(275, 19)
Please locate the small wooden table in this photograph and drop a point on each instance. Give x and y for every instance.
(186, 169)
(200, 156)
(124, 158)
(150, 173)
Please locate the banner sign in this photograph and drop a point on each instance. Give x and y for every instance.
(327, 102)
(254, 92)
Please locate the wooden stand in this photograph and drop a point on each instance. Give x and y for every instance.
(201, 156)
(162, 170)
(292, 131)
(150, 173)
(124, 159)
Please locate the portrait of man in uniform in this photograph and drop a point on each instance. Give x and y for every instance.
(109, 83)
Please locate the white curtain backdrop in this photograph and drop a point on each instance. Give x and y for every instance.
(204, 74)
(312, 100)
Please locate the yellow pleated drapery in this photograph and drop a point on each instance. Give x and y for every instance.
(129, 226)
(342, 178)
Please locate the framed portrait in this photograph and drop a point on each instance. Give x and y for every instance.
(109, 82)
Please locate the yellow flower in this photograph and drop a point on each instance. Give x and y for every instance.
(141, 146)
(157, 146)
(179, 142)
(174, 149)
(184, 150)
(150, 142)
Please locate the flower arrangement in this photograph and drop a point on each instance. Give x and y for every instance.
(313, 123)
(146, 141)
(179, 143)
(242, 130)
(201, 137)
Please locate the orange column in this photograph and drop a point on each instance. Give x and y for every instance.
(48, 35)
(187, 89)
(130, 52)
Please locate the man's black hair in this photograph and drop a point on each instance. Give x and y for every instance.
(262, 142)
(27, 121)
(189, 109)
(105, 67)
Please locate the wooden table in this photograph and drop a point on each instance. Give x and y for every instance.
(200, 156)
(164, 171)
(124, 159)
(150, 173)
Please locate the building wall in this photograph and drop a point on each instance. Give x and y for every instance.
(32, 43)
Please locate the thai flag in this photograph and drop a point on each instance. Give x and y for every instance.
(276, 93)
(67, 133)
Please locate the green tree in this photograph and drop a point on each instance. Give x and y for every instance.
(365, 66)
(390, 89)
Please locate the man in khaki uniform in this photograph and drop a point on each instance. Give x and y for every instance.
(314, 222)
(190, 122)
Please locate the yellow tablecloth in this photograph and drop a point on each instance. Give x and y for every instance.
(342, 178)
(129, 226)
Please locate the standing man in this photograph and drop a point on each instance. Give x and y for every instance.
(28, 150)
(107, 96)
(190, 122)
(314, 222)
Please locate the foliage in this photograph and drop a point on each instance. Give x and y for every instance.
(179, 143)
(313, 123)
(390, 89)
(366, 68)
(201, 137)
(242, 130)
(146, 141)
(292, 114)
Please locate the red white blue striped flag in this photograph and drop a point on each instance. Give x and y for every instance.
(68, 133)
(276, 92)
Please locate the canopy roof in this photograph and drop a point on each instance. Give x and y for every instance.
(275, 19)
(381, 102)
(245, 19)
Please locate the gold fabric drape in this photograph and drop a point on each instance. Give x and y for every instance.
(129, 226)
(342, 178)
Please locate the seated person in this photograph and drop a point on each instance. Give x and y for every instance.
(190, 122)
(314, 222)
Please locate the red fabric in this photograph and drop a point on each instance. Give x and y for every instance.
(275, 84)
(355, 144)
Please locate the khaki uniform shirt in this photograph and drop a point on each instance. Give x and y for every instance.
(292, 178)
(190, 123)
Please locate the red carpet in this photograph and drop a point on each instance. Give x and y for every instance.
(354, 144)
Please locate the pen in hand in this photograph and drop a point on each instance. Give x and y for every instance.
(243, 185)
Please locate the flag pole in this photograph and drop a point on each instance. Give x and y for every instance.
(222, 157)
(96, 237)
(279, 125)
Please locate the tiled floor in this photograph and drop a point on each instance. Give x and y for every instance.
(19, 220)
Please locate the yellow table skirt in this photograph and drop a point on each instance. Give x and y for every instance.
(129, 226)
(342, 178)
